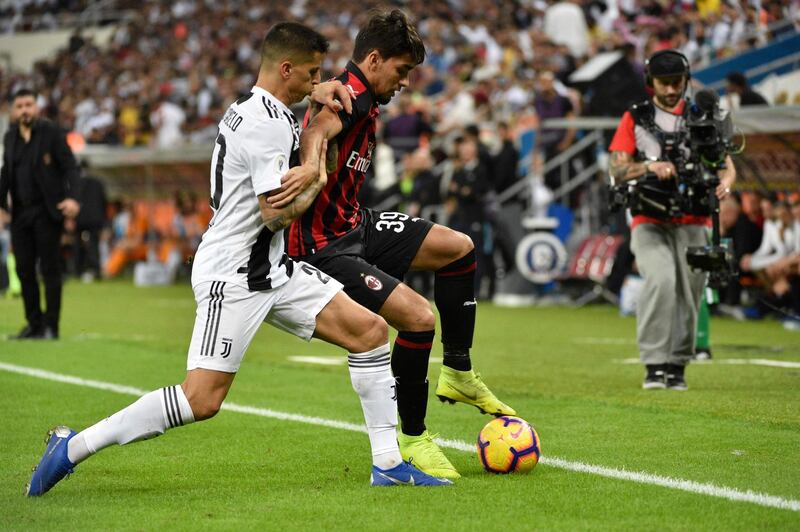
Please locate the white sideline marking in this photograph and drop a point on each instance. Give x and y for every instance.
(332, 361)
(601, 340)
(323, 361)
(97, 336)
(731, 361)
(723, 492)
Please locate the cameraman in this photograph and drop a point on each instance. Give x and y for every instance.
(649, 138)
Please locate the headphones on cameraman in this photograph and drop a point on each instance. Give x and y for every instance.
(648, 77)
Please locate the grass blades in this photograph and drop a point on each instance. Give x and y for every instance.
(563, 369)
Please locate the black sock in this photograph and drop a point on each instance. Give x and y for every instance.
(410, 367)
(456, 358)
(454, 294)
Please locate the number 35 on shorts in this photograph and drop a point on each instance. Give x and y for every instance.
(396, 221)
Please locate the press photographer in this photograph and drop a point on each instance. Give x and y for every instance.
(670, 165)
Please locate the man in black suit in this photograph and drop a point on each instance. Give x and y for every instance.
(39, 174)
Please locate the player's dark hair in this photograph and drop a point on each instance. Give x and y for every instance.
(391, 34)
(292, 39)
(21, 93)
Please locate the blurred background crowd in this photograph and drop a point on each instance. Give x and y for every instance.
(451, 144)
(170, 70)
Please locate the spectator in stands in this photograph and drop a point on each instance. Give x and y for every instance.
(89, 224)
(777, 240)
(552, 141)
(793, 322)
(403, 130)
(745, 234)
(129, 236)
(505, 161)
(505, 175)
(484, 154)
(457, 107)
(738, 85)
(39, 174)
(182, 238)
(565, 23)
(465, 202)
(421, 184)
(773, 261)
(168, 119)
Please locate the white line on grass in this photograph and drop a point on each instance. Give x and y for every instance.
(723, 492)
(603, 340)
(731, 361)
(323, 361)
(331, 361)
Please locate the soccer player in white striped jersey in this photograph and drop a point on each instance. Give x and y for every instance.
(242, 277)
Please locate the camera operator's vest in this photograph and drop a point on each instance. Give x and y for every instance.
(663, 136)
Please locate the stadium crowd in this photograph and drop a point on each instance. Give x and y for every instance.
(765, 233)
(168, 73)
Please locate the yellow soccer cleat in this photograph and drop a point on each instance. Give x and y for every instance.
(467, 387)
(425, 455)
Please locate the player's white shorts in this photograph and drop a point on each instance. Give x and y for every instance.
(229, 315)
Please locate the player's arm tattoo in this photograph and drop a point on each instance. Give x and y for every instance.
(622, 167)
(277, 219)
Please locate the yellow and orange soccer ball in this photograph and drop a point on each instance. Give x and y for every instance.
(509, 444)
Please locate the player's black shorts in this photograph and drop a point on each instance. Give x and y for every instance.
(372, 259)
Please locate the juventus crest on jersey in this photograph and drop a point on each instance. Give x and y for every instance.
(258, 140)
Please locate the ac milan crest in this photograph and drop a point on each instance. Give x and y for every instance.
(373, 283)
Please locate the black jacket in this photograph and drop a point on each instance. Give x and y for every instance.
(54, 166)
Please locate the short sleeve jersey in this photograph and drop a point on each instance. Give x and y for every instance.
(335, 211)
(258, 140)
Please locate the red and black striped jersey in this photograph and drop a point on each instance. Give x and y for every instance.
(334, 212)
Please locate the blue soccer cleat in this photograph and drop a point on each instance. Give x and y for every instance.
(405, 474)
(54, 465)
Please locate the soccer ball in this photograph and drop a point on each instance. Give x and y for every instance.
(508, 444)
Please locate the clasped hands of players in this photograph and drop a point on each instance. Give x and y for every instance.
(665, 170)
(336, 97)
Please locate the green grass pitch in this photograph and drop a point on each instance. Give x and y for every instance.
(738, 427)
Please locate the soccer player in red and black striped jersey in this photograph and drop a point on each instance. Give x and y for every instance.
(370, 251)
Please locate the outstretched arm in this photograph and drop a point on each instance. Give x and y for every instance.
(325, 126)
(279, 218)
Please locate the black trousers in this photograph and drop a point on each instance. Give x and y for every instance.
(35, 237)
(87, 250)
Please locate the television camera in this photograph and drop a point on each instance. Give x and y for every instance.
(698, 151)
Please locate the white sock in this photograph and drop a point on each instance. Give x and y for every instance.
(371, 375)
(150, 416)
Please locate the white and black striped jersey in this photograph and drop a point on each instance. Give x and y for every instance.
(258, 140)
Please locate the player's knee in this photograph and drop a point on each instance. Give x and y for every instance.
(463, 246)
(374, 333)
(204, 407)
(421, 318)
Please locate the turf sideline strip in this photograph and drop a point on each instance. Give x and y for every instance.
(732, 494)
